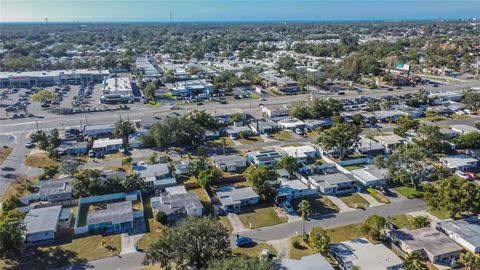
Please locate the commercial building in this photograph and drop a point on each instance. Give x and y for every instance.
(193, 88)
(98, 130)
(286, 86)
(148, 67)
(115, 90)
(53, 77)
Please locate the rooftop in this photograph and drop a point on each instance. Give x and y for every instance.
(170, 203)
(428, 239)
(235, 196)
(115, 213)
(42, 219)
(117, 84)
(227, 159)
(311, 262)
(468, 229)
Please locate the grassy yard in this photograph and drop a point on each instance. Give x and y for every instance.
(251, 140)
(4, 152)
(439, 213)
(354, 200)
(299, 249)
(40, 160)
(155, 104)
(218, 142)
(204, 199)
(377, 195)
(169, 96)
(255, 250)
(319, 205)
(345, 233)
(435, 118)
(354, 167)
(226, 223)
(402, 221)
(85, 248)
(261, 215)
(283, 136)
(409, 192)
(459, 116)
(155, 230)
(19, 188)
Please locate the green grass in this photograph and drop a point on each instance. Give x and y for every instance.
(155, 104)
(318, 205)
(459, 116)
(169, 96)
(4, 152)
(354, 167)
(282, 136)
(410, 192)
(345, 233)
(299, 250)
(218, 142)
(261, 215)
(402, 221)
(354, 200)
(439, 213)
(255, 97)
(377, 195)
(251, 140)
(226, 223)
(255, 250)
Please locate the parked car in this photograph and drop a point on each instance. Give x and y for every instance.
(288, 207)
(243, 241)
(471, 175)
(29, 145)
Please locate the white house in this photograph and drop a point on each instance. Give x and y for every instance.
(232, 199)
(107, 145)
(300, 153)
(465, 232)
(275, 110)
(41, 224)
(462, 129)
(459, 162)
(331, 184)
(371, 176)
(230, 163)
(293, 189)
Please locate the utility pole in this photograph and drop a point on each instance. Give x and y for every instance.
(86, 120)
(36, 124)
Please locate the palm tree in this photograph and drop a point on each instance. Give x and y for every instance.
(224, 142)
(123, 129)
(413, 261)
(470, 260)
(304, 207)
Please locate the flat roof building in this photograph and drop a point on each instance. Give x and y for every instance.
(52, 77)
(311, 262)
(118, 89)
(42, 223)
(465, 232)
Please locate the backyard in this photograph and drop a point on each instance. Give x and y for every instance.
(260, 215)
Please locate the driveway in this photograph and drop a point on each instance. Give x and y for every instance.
(340, 204)
(370, 199)
(237, 225)
(128, 243)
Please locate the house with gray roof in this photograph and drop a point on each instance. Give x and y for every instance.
(268, 158)
(232, 199)
(53, 191)
(263, 127)
(459, 162)
(465, 232)
(229, 163)
(311, 262)
(371, 176)
(157, 176)
(368, 146)
(113, 213)
(293, 189)
(331, 184)
(68, 147)
(98, 130)
(390, 141)
(234, 131)
(41, 224)
(178, 205)
(430, 243)
(463, 129)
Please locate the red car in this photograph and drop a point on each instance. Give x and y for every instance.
(471, 175)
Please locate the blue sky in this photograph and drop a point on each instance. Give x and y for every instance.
(234, 10)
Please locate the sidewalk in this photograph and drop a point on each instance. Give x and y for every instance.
(340, 204)
(128, 243)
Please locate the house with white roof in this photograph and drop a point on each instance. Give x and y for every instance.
(463, 129)
(331, 184)
(465, 232)
(229, 163)
(371, 176)
(291, 123)
(389, 141)
(177, 204)
(275, 110)
(41, 224)
(157, 176)
(118, 89)
(107, 145)
(300, 153)
(459, 162)
(310, 262)
(232, 199)
(293, 189)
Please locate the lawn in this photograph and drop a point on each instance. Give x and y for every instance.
(354, 167)
(155, 104)
(439, 213)
(226, 223)
(40, 160)
(218, 142)
(204, 199)
(84, 248)
(255, 250)
(261, 215)
(377, 195)
(354, 200)
(19, 188)
(299, 249)
(409, 192)
(345, 233)
(402, 221)
(4, 152)
(459, 116)
(319, 205)
(283, 136)
(251, 140)
(169, 96)
(155, 230)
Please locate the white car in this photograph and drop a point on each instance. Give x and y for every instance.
(142, 162)
(174, 107)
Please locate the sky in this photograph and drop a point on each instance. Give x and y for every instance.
(234, 10)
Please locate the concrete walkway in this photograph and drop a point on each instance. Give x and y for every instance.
(128, 243)
(340, 204)
(282, 246)
(370, 199)
(237, 225)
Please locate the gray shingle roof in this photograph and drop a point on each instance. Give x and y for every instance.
(116, 213)
(42, 219)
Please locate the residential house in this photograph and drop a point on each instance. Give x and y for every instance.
(312, 124)
(300, 153)
(430, 243)
(310, 262)
(234, 131)
(371, 176)
(291, 123)
(232, 199)
(389, 141)
(107, 145)
(230, 163)
(463, 129)
(370, 147)
(331, 184)
(53, 191)
(272, 111)
(41, 224)
(68, 147)
(448, 133)
(111, 213)
(263, 127)
(465, 232)
(409, 111)
(292, 189)
(177, 205)
(181, 167)
(387, 116)
(98, 130)
(365, 255)
(459, 162)
(157, 176)
(268, 158)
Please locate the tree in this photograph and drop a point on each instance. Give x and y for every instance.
(244, 135)
(472, 261)
(471, 99)
(341, 138)
(288, 163)
(10, 203)
(43, 96)
(161, 217)
(195, 167)
(407, 164)
(453, 194)
(152, 159)
(299, 110)
(319, 240)
(69, 165)
(324, 107)
(203, 119)
(374, 226)
(405, 123)
(87, 183)
(190, 245)
(11, 234)
(263, 180)
(40, 138)
(285, 63)
(127, 161)
(208, 177)
(236, 117)
(149, 91)
(357, 119)
(430, 139)
(304, 207)
(468, 140)
(413, 261)
(177, 131)
(133, 182)
(242, 262)
(49, 172)
(421, 222)
(123, 129)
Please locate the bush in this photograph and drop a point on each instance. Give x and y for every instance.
(161, 217)
(297, 245)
